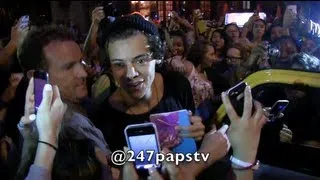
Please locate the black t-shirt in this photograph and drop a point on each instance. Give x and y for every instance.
(177, 95)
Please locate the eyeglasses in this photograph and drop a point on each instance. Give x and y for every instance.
(138, 62)
(233, 60)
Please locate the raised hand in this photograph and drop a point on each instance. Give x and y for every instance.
(216, 143)
(97, 15)
(195, 130)
(50, 115)
(18, 32)
(244, 132)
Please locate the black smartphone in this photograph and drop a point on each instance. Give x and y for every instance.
(109, 9)
(143, 138)
(236, 96)
(40, 79)
(278, 107)
(237, 92)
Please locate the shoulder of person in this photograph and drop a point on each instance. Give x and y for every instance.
(188, 66)
(175, 80)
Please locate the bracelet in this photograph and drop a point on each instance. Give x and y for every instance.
(55, 148)
(242, 165)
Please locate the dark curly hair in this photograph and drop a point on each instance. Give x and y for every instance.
(198, 51)
(182, 35)
(130, 25)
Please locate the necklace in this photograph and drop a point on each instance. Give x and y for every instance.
(128, 107)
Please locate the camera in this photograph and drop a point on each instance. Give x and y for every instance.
(272, 51)
(110, 9)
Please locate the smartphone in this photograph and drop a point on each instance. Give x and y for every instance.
(237, 92)
(40, 78)
(236, 96)
(143, 138)
(278, 107)
(25, 20)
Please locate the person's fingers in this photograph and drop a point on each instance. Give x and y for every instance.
(171, 169)
(128, 170)
(56, 93)
(267, 108)
(285, 138)
(281, 115)
(64, 106)
(98, 8)
(213, 129)
(197, 135)
(47, 97)
(288, 131)
(285, 133)
(193, 128)
(25, 121)
(101, 13)
(263, 119)
(228, 141)
(154, 174)
(285, 126)
(223, 129)
(102, 17)
(30, 89)
(30, 106)
(195, 119)
(31, 98)
(229, 108)
(258, 111)
(17, 76)
(247, 108)
(57, 102)
(15, 25)
(191, 131)
(96, 11)
(266, 111)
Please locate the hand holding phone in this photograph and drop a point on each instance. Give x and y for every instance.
(277, 109)
(236, 95)
(142, 138)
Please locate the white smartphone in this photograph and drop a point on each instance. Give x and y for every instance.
(143, 138)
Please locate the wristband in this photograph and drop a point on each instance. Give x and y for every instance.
(55, 148)
(242, 165)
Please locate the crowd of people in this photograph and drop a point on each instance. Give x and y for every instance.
(122, 73)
